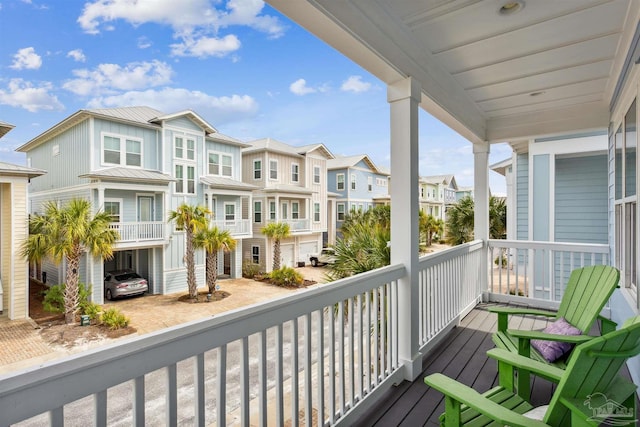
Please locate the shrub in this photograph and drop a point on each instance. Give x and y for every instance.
(250, 269)
(501, 261)
(92, 310)
(54, 298)
(286, 276)
(114, 319)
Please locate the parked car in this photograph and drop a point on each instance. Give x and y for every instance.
(326, 256)
(122, 283)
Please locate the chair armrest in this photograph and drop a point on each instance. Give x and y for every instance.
(504, 313)
(539, 335)
(544, 370)
(606, 325)
(468, 396)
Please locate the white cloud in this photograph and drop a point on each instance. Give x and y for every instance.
(144, 42)
(206, 46)
(110, 77)
(355, 84)
(219, 109)
(77, 55)
(299, 87)
(26, 58)
(23, 94)
(183, 16)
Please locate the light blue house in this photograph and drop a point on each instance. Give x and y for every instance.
(139, 164)
(358, 183)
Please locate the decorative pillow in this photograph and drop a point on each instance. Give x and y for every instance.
(553, 350)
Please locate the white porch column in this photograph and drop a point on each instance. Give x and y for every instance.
(404, 97)
(481, 203)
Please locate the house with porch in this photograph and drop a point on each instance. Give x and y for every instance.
(14, 230)
(138, 164)
(494, 71)
(359, 183)
(291, 187)
(437, 193)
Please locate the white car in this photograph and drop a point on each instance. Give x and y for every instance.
(326, 256)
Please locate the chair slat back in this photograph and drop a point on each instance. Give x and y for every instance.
(587, 292)
(595, 365)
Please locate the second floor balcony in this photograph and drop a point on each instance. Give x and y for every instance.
(237, 227)
(139, 232)
(297, 225)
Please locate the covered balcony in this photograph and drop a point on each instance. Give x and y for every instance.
(494, 72)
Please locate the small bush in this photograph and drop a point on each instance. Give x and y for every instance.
(286, 276)
(54, 298)
(500, 261)
(250, 270)
(92, 310)
(114, 319)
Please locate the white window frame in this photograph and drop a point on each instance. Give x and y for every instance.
(227, 204)
(120, 203)
(273, 210)
(316, 212)
(258, 170)
(353, 181)
(123, 139)
(257, 211)
(295, 172)
(185, 147)
(316, 174)
(370, 183)
(295, 210)
(185, 178)
(339, 181)
(340, 212)
(220, 163)
(273, 162)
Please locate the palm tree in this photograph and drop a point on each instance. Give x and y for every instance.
(276, 231)
(497, 218)
(212, 240)
(191, 219)
(67, 233)
(429, 226)
(34, 248)
(460, 220)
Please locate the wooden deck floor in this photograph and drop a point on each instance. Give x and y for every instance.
(462, 355)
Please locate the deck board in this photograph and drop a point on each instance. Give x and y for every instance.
(461, 355)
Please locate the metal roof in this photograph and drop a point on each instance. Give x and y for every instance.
(221, 182)
(17, 170)
(129, 175)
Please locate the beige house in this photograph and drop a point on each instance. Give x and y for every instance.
(14, 269)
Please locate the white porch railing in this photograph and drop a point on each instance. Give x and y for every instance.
(450, 286)
(296, 225)
(138, 231)
(238, 227)
(525, 270)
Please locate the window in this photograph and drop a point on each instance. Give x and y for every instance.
(370, 183)
(220, 164)
(316, 212)
(295, 210)
(422, 192)
(353, 181)
(184, 148)
(340, 181)
(624, 142)
(257, 211)
(185, 179)
(284, 213)
(257, 169)
(272, 211)
(316, 174)
(113, 148)
(255, 254)
(381, 182)
(229, 212)
(340, 207)
(273, 169)
(112, 208)
(295, 172)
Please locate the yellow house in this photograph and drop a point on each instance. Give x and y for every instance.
(14, 277)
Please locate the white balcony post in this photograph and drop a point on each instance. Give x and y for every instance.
(404, 97)
(481, 202)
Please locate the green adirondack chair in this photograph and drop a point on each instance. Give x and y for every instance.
(587, 292)
(589, 390)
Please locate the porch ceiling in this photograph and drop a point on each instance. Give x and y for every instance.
(551, 67)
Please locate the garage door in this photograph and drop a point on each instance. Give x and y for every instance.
(286, 255)
(307, 249)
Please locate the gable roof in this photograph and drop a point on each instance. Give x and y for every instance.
(4, 128)
(343, 162)
(17, 170)
(140, 116)
(448, 180)
(270, 144)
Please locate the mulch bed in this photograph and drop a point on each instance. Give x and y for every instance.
(202, 297)
(304, 284)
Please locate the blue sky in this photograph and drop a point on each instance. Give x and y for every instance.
(239, 64)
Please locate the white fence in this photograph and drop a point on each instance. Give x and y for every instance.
(138, 231)
(537, 270)
(238, 227)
